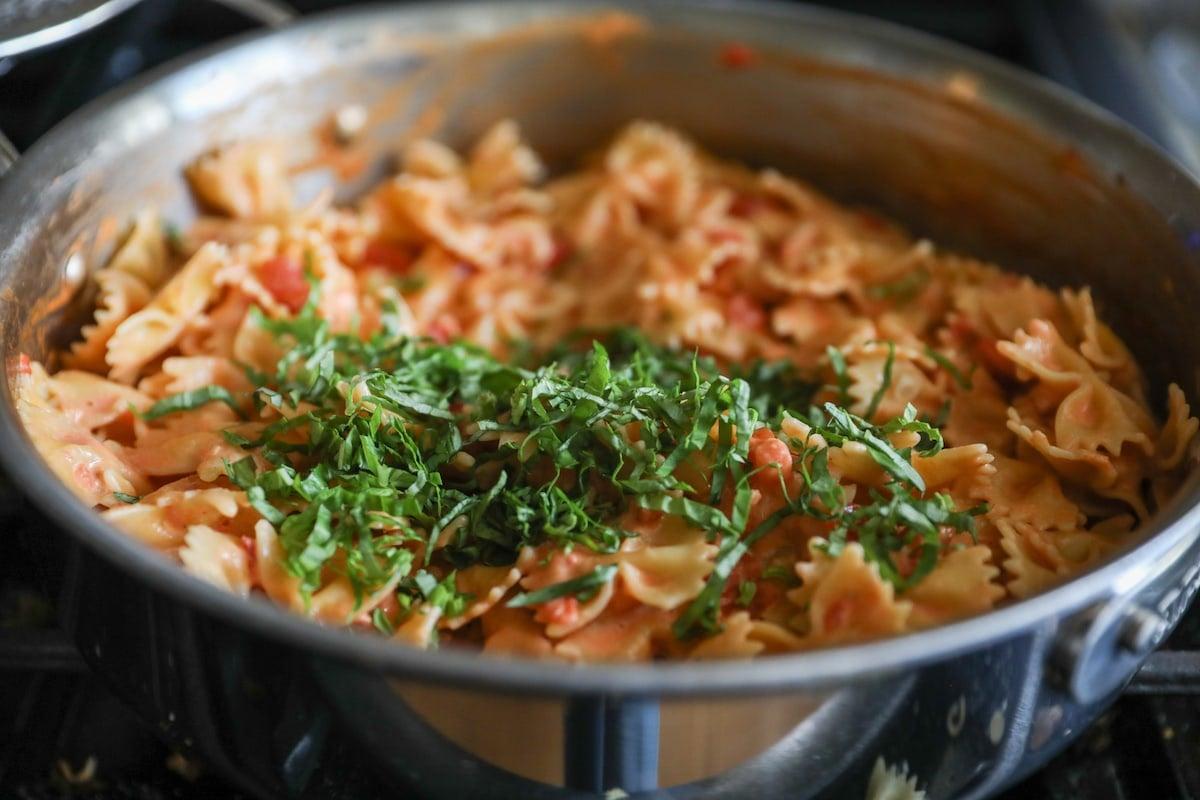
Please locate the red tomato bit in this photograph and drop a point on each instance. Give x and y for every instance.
(444, 328)
(384, 254)
(560, 611)
(745, 204)
(284, 279)
(563, 250)
(745, 312)
(736, 55)
(765, 450)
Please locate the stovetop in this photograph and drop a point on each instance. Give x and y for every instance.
(62, 734)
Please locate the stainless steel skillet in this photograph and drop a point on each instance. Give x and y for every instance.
(970, 152)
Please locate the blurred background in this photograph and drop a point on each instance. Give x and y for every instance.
(63, 735)
(1139, 58)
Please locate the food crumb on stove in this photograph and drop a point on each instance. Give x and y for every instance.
(77, 777)
(1100, 736)
(1168, 733)
(187, 768)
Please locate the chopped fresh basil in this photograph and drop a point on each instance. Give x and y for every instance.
(394, 453)
(837, 360)
(902, 289)
(173, 236)
(187, 401)
(700, 616)
(381, 622)
(781, 573)
(412, 283)
(846, 427)
(699, 514)
(885, 382)
(441, 594)
(584, 588)
(746, 592)
(963, 381)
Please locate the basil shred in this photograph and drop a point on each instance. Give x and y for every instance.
(403, 442)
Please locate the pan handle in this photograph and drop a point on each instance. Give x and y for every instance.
(270, 13)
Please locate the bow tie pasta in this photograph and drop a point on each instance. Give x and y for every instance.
(663, 406)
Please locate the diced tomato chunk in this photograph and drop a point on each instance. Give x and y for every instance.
(387, 255)
(24, 365)
(736, 55)
(560, 611)
(284, 278)
(745, 312)
(962, 329)
(444, 328)
(765, 450)
(744, 204)
(563, 250)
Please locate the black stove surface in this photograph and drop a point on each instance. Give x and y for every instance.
(62, 734)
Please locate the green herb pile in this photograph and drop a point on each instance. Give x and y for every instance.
(390, 444)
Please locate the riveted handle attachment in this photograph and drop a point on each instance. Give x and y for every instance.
(1099, 649)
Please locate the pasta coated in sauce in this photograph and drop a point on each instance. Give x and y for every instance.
(802, 426)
